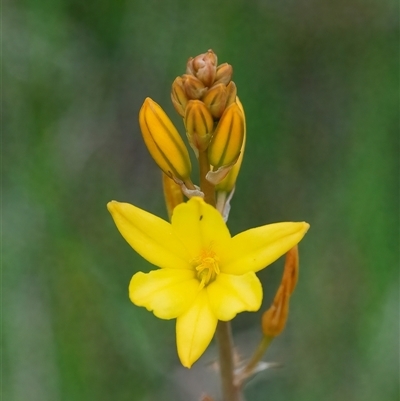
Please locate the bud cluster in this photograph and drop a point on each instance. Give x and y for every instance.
(206, 98)
(206, 81)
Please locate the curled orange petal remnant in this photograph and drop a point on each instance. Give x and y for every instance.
(274, 319)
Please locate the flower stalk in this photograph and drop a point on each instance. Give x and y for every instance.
(203, 276)
(230, 390)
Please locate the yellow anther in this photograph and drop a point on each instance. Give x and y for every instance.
(207, 267)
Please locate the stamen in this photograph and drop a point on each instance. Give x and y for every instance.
(207, 267)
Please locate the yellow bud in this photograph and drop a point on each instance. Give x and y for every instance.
(172, 194)
(215, 100)
(178, 96)
(224, 74)
(164, 142)
(204, 67)
(229, 182)
(227, 140)
(199, 125)
(194, 88)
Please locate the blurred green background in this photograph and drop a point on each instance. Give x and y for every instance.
(319, 81)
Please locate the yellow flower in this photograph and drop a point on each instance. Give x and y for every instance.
(205, 274)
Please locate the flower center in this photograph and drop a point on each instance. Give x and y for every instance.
(207, 267)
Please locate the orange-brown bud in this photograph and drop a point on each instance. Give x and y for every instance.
(231, 93)
(291, 272)
(215, 100)
(199, 125)
(274, 319)
(224, 74)
(194, 88)
(204, 67)
(178, 96)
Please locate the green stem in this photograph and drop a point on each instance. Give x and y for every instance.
(230, 391)
(255, 359)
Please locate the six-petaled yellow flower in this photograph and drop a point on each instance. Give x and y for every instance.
(205, 274)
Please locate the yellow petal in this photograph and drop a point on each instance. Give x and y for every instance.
(150, 236)
(254, 249)
(195, 330)
(168, 292)
(231, 294)
(199, 226)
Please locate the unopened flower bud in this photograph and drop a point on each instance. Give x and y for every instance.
(172, 194)
(223, 74)
(227, 140)
(194, 88)
(164, 142)
(215, 100)
(204, 67)
(199, 125)
(274, 319)
(291, 272)
(178, 96)
(231, 93)
(229, 182)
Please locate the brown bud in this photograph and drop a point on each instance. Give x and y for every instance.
(224, 74)
(194, 88)
(204, 67)
(215, 100)
(178, 96)
(231, 93)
